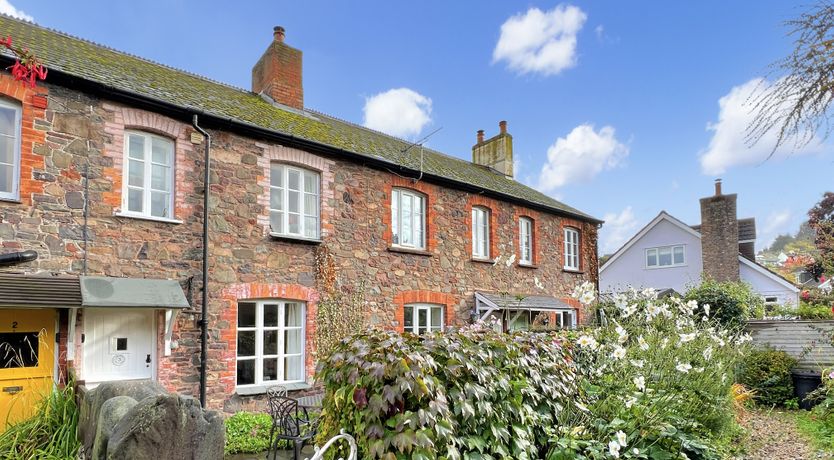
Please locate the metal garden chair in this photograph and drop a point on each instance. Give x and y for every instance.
(287, 424)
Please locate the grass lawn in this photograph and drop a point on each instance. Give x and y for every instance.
(820, 435)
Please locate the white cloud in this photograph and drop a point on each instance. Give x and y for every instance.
(617, 229)
(777, 223)
(600, 31)
(399, 112)
(539, 41)
(727, 148)
(10, 10)
(580, 156)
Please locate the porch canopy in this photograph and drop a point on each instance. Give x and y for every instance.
(45, 291)
(487, 303)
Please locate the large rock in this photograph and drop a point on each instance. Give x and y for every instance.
(167, 427)
(92, 400)
(110, 414)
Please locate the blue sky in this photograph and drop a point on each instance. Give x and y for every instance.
(612, 106)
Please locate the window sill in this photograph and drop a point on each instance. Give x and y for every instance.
(532, 266)
(144, 217)
(10, 200)
(294, 239)
(251, 390)
(483, 261)
(416, 252)
(573, 270)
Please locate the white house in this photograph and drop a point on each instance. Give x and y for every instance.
(668, 254)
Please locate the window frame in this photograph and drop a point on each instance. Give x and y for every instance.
(147, 188)
(656, 250)
(14, 194)
(415, 320)
(485, 227)
(529, 259)
(285, 201)
(571, 248)
(397, 194)
(259, 329)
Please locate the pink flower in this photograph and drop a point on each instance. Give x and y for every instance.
(831, 375)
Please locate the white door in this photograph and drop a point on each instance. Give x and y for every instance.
(118, 344)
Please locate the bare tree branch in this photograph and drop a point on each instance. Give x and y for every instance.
(797, 105)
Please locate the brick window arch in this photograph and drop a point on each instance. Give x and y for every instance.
(414, 298)
(481, 202)
(429, 193)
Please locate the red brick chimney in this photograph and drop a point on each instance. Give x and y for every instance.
(278, 73)
(719, 235)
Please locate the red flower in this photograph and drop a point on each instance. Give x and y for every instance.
(7, 42)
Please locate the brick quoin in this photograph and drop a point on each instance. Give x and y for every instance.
(31, 163)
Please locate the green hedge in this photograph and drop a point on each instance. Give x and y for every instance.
(473, 390)
(768, 373)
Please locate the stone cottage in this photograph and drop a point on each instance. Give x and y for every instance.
(101, 225)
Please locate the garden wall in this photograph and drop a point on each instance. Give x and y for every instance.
(810, 342)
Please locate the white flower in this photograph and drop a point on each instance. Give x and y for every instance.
(629, 310)
(621, 438)
(706, 309)
(582, 407)
(495, 262)
(635, 451)
(638, 363)
(698, 369)
(620, 301)
(643, 344)
(622, 335)
(652, 310)
(587, 298)
(683, 367)
(586, 341)
(619, 352)
(640, 383)
(630, 402)
(688, 337)
(707, 353)
(614, 449)
(664, 343)
(510, 260)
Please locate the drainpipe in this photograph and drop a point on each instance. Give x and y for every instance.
(18, 257)
(204, 306)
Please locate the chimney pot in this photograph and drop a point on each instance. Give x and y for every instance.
(717, 187)
(480, 136)
(502, 125)
(279, 33)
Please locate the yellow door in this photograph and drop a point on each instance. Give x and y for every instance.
(27, 358)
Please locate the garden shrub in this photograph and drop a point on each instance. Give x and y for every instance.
(654, 381)
(247, 433)
(657, 376)
(813, 311)
(49, 434)
(470, 391)
(768, 373)
(731, 303)
(823, 412)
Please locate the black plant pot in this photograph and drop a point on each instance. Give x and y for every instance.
(804, 382)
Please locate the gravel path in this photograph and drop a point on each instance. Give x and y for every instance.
(773, 435)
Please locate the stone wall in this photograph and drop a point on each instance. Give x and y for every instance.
(79, 131)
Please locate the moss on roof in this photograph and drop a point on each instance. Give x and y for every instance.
(100, 64)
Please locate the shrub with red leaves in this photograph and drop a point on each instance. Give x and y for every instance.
(27, 67)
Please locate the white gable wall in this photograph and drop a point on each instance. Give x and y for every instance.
(629, 269)
(766, 286)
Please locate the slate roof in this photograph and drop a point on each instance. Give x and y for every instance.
(124, 72)
(746, 229)
(530, 302)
